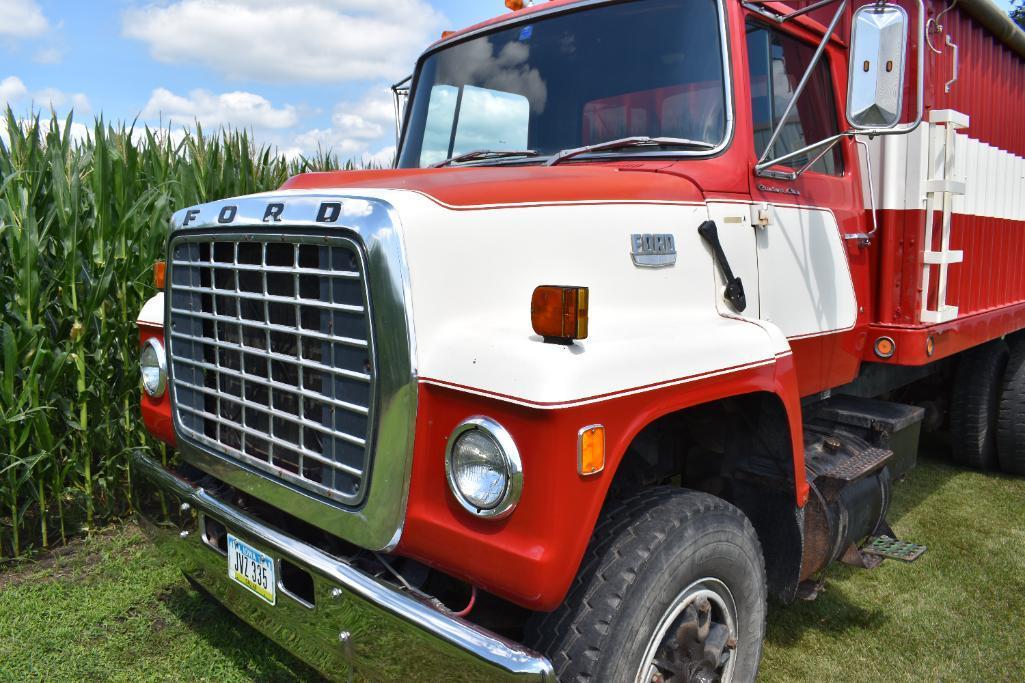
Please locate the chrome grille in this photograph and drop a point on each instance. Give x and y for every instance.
(272, 356)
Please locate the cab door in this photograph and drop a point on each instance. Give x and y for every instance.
(805, 283)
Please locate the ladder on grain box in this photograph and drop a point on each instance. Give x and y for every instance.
(942, 185)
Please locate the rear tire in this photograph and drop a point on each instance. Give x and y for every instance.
(974, 404)
(671, 576)
(1011, 420)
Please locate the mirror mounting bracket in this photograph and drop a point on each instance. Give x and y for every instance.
(400, 96)
(763, 162)
(763, 166)
(777, 175)
(758, 6)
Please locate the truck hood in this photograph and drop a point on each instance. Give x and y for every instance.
(519, 185)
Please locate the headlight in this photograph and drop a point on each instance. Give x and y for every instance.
(153, 367)
(483, 468)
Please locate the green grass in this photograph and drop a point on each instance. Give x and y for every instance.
(957, 613)
(107, 609)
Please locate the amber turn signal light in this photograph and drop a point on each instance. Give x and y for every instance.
(159, 274)
(559, 314)
(591, 450)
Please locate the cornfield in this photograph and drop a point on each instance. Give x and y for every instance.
(81, 224)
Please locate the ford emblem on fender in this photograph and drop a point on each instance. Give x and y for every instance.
(653, 250)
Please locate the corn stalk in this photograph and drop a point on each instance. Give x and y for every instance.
(81, 224)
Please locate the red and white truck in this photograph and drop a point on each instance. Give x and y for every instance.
(640, 329)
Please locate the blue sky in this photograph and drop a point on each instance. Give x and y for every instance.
(299, 73)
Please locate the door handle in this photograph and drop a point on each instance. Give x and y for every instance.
(734, 287)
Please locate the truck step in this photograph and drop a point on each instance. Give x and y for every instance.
(857, 465)
(841, 456)
(883, 424)
(885, 546)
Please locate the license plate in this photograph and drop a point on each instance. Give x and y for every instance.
(251, 569)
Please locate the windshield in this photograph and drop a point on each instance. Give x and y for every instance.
(649, 68)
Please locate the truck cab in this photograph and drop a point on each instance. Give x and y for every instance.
(606, 358)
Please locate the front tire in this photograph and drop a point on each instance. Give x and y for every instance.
(672, 588)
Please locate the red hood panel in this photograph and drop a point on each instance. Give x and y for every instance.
(465, 187)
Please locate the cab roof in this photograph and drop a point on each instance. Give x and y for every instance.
(540, 8)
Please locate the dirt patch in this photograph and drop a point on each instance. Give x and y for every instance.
(63, 563)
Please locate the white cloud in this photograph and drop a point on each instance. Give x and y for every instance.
(371, 118)
(52, 98)
(14, 93)
(357, 128)
(235, 109)
(264, 40)
(79, 132)
(12, 89)
(22, 19)
(329, 140)
(384, 158)
(48, 55)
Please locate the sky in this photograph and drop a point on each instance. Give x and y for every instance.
(302, 75)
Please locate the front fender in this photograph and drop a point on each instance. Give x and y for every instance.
(531, 557)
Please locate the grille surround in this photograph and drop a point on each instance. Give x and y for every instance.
(213, 316)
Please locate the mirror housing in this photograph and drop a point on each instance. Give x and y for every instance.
(875, 87)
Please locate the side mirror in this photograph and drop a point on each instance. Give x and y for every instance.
(875, 88)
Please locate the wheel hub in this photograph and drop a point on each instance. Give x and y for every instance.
(695, 640)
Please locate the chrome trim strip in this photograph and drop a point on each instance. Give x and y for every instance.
(730, 107)
(375, 613)
(273, 299)
(273, 384)
(308, 364)
(377, 523)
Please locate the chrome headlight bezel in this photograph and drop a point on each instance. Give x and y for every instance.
(158, 349)
(511, 459)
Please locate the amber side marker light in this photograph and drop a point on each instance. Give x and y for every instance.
(885, 348)
(514, 5)
(591, 450)
(559, 314)
(160, 274)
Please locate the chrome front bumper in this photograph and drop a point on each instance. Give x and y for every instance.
(358, 623)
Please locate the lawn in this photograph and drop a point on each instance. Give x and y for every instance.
(107, 609)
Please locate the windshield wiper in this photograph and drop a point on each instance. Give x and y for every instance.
(628, 142)
(481, 154)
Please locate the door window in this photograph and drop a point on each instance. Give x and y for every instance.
(777, 62)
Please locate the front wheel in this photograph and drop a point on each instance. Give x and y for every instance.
(672, 589)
